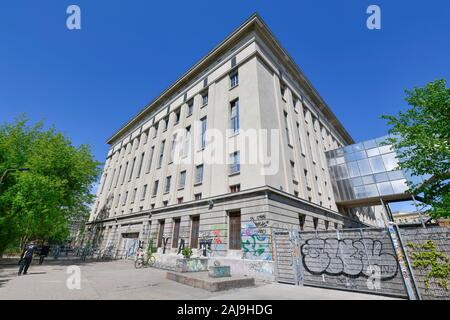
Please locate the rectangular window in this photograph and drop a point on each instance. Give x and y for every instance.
(235, 230)
(204, 98)
(235, 165)
(150, 159)
(177, 116)
(140, 165)
(165, 123)
(235, 188)
(199, 174)
(283, 91)
(234, 79)
(112, 180)
(301, 220)
(155, 188)
(173, 145)
(155, 132)
(293, 171)
(286, 123)
(124, 200)
(176, 232)
(103, 182)
(161, 153)
(144, 192)
(118, 176)
(132, 169)
(302, 141)
(182, 181)
(190, 107)
(235, 116)
(125, 172)
(145, 136)
(187, 141)
(195, 231)
(168, 180)
(296, 102)
(165, 203)
(133, 196)
(203, 133)
(118, 200)
(161, 233)
(197, 196)
(180, 200)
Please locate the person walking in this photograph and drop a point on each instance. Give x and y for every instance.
(44, 252)
(26, 257)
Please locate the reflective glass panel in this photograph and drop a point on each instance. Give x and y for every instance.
(390, 161)
(373, 152)
(368, 179)
(371, 190)
(384, 188)
(377, 164)
(364, 167)
(381, 177)
(395, 175)
(385, 149)
(370, 144)
(399, 186)
(353, 169)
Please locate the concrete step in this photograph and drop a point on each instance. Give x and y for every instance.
(203, 281)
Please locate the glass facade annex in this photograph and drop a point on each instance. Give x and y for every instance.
(365, 170)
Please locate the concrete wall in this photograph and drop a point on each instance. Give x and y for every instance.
(414, 239)
(346, 259)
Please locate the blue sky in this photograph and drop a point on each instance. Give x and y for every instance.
(89, 82)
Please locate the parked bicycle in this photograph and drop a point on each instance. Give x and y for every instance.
(144, 259)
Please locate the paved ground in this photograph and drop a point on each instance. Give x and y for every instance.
(120, 280)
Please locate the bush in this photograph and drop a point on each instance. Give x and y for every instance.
(186, 252)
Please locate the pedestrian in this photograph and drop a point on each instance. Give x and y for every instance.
(44, 252)
(56, 251)
(26, 257)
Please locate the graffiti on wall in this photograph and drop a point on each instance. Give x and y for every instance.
(260, 223)
(352, 258)
(255, 242)
(180, 246)
(211, 242)
(164, 242)
(260, 267)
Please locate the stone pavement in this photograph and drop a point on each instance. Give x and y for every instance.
(120, 280)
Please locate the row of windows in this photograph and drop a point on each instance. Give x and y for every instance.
(164, 123)
(234, 232)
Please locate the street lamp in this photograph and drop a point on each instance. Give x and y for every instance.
(16, 169)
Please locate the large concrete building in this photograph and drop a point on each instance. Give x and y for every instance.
(159, 183)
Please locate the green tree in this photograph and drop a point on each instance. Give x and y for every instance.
(421, 138)
(41, 202)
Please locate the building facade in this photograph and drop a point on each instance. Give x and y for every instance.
(160, 185)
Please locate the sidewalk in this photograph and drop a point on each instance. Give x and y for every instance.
(120, 280)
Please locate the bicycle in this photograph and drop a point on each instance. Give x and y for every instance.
(141, 261)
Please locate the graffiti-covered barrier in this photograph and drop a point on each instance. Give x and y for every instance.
(428, 250)
(362, 260)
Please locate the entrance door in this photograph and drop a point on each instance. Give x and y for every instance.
(287, 258)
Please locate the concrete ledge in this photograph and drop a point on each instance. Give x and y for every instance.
(203, 281)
